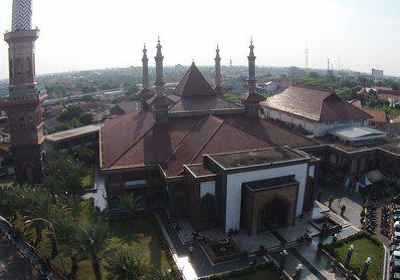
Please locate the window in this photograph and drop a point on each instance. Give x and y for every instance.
(135, 183)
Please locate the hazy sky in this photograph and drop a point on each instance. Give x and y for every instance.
(89, 34)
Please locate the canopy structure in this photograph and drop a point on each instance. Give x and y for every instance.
(375, 176)
(354, 134)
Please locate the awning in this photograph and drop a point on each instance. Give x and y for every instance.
(375, 176)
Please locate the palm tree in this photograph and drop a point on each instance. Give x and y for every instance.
(65, 226)
(130, 204)
(41, 206)
(155, 274)
(125, 265)
(93, 239)
(76, 171)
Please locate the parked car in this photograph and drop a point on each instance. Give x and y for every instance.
(396, 238)
(396, 276)
(395, 261)
(394, 247)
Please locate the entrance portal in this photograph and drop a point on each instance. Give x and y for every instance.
(274, 214)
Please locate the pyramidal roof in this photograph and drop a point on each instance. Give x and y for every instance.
(194, 84)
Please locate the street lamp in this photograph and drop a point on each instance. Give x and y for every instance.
(27, 222)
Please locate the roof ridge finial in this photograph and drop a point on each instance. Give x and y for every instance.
(159, 39)
(251, 41)
(144, 47)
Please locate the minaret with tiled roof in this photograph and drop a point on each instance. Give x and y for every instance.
(252, 102)
(145, 63)
(251, 81)
(161, 102)
(159, 70)
(145, 93)
(218, 77)
(23, 105)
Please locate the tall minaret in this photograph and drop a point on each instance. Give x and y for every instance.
(218, 77)
(252, 102)
(159, 70)
(146, 79)
(23, 106)
(251, 81)
(161, 102)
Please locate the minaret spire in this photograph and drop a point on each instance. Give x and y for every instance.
(22, 15)
(218, 77)
(252, 69)
(252, 102)
(161, 102)
(159, 70)
(145, 63)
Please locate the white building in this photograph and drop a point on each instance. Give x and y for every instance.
(315, 110)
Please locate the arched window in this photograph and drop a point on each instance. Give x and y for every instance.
(22, 123)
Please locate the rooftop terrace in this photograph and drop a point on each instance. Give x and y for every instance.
(257, 157)
(72, 133)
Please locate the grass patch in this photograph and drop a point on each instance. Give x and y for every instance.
(142, 236)
(87, 182)
(364, 248)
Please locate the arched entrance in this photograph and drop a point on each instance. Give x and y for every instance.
(274, 214)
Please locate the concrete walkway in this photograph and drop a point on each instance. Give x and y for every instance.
(100, 193)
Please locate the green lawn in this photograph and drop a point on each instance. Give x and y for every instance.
(266, 274)
(364, 248)
(141, 236)
(88, 180)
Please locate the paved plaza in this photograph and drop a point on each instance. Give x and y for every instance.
(197, 264)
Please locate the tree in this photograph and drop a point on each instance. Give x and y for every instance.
(65, 226)
(69, 113)
(345, 93)
(330, 202)
(125, 265)
(92, 240)
(342, 210)
(75, 172)
(86, 118)
(130, 204)
(41, 206)
(155, 274)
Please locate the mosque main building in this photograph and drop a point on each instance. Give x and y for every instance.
(218, 163)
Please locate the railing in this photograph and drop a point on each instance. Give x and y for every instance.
(33, 255)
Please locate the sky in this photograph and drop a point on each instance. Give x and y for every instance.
(96, 34)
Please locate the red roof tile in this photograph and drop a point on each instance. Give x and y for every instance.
(146, 94)
(314, 104)
(120, 133)
(377, 115)
(160, 101)
(389, 96)
(184, 140)
(201, 103)
(193, 83)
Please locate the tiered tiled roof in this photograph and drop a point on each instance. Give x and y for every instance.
(314, 104)
(193, 83)
(184, 140)
(211, 125)
(196, 94)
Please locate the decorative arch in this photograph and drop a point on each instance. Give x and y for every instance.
(275, 213)
(207, 208)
